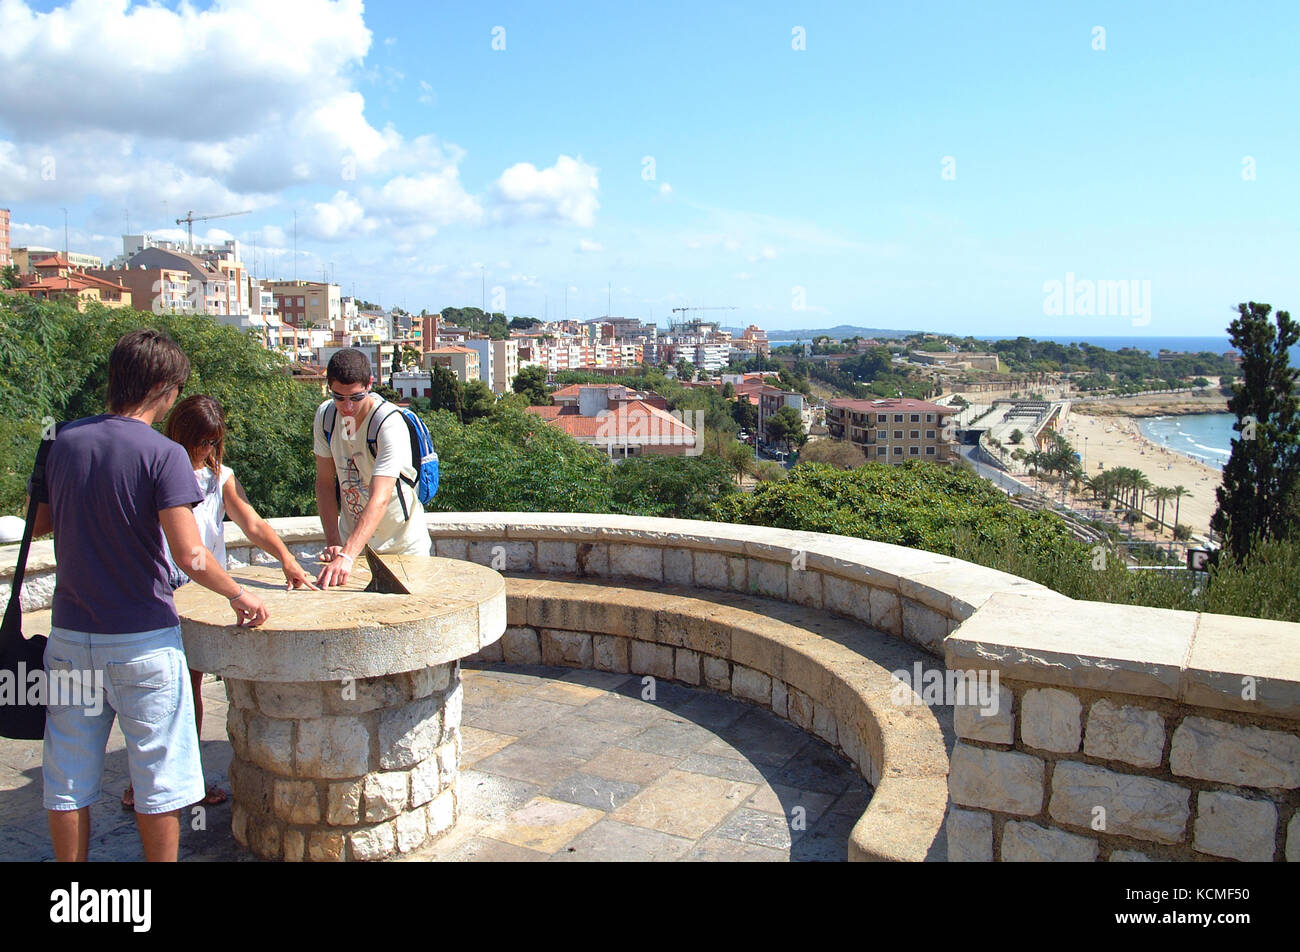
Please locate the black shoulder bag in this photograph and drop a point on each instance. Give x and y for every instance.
(20, 656)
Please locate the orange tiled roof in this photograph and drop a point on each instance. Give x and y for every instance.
(634, 422)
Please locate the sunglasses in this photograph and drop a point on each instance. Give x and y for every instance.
(211, 442)
(349, 397)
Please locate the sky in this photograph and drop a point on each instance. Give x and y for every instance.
(1101, 169)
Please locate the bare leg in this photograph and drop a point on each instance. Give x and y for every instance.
(196, 682)
(160, 835)
(70, 832)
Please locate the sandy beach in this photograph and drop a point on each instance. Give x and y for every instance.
(1124, 445)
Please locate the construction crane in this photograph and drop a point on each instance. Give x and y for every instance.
(191, 218)
(672, 322)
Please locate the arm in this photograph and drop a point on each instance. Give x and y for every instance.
(381, 493)
(182, 534)
(43, 523)
(260, 532)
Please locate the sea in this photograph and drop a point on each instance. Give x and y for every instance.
(1206, 437)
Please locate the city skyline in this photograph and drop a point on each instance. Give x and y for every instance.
(934, 167)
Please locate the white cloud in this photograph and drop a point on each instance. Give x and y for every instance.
(743, 276)
(341, 217)
(243, 97)
(767, 254)
(427, 95)
(585, 246)
(566, 191)
(665, 189)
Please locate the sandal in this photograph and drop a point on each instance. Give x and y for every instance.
(214, 796)
(128, 799)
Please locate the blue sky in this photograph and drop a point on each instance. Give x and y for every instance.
(806, 187)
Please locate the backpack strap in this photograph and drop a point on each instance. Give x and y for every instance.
(328, 421)
(372, 444)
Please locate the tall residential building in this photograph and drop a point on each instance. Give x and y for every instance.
(893, 430)
(505, 365)
(24, 259)
(483, 347)
(304, 303)
(51, 279)
(132, 245)
(461, 361)
(5, 258)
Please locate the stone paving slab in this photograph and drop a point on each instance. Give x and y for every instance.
(557, 764)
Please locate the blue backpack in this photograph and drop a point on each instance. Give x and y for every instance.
(425, 482)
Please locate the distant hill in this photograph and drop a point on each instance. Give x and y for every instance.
(839, 332)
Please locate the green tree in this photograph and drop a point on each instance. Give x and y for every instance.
(9, 277)
(681, 487)
(785, 427)
(54, 362)
(685, 370)
(446, 392)
(745, 414)
(479, 400)
(1263, 472)
(531, 381)
(838, 453)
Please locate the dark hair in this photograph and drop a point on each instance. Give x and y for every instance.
(348, 366)
(142, 362)
(195, 419)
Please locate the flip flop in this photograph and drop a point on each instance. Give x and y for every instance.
(214, 796)
(128, 799)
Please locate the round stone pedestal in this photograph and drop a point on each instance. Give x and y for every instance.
(345, 707)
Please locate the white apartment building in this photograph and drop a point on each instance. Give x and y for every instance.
(483, 347)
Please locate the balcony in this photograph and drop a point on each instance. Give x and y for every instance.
(879, 653)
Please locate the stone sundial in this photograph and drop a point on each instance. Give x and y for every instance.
(344, 709)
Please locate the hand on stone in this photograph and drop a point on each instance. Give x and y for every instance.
(295, 577)
(337, 569)
(249, 610)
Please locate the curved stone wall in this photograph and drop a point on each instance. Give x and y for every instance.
(1122, 732)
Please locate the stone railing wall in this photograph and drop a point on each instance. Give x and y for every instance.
(1121, 732)
(1126, 734)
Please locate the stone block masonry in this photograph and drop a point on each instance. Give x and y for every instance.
(332, 771)
(1078, 776)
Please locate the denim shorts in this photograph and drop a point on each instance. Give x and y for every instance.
(141, 679)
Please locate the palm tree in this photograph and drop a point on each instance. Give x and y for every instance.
(1178, 492)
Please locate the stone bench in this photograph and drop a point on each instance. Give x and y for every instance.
(826, 674)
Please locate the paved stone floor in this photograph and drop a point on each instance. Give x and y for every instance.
(558, 764)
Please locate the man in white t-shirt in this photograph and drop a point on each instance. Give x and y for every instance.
(372, 503)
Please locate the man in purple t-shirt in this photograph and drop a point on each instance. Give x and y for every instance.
(115, 488)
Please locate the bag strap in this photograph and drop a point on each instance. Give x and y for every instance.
(37, 492)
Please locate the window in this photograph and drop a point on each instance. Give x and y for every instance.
(898, 418)
(882, 417)
(898, 451)
(882, 450)
(916, 418)
(427, 393)
(929, 418)
(929, 451)
(882, 435)
(929, 434)
(913, 434)
(898, 434)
